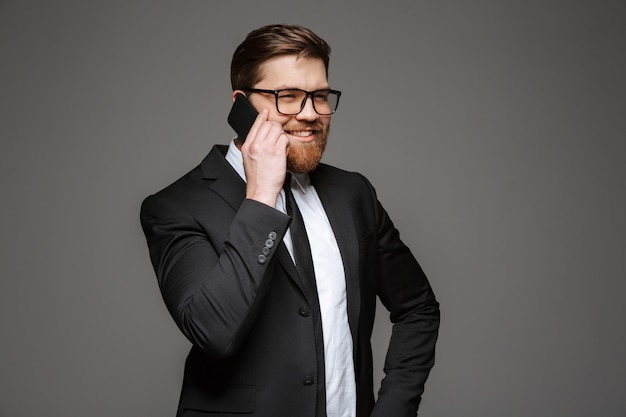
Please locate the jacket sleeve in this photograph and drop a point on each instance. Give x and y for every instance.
(405, 291)
(212, 285)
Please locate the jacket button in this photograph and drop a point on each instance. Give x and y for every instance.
(304, 312)
(261, 259)
(308, 380)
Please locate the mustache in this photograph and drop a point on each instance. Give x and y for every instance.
(317, 125)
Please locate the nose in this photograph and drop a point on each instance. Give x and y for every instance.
(308, 112)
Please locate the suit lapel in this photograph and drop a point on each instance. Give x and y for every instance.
(340, 217)
(225, 181)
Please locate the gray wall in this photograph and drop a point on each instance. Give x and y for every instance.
(494, 132)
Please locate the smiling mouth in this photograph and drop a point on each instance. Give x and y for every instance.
(301, 133)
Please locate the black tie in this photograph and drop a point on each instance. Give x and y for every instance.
(301, 247)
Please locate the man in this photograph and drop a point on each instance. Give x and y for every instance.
(273, 337)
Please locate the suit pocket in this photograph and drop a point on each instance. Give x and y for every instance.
(367, 248)
(239, 399)
(364, 240)
(368, 272)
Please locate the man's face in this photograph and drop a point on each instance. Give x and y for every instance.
(307, 131)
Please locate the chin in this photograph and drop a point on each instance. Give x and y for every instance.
(304, 157)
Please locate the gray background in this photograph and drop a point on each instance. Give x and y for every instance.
(494, 132)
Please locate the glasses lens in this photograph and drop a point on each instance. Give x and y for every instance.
(292, 101)
(325, 102)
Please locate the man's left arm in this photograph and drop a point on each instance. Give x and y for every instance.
(414, 311)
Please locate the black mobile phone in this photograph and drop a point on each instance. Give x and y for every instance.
(242, 115)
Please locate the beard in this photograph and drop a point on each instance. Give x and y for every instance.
(305, 156)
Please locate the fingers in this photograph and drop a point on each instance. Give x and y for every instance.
(265, 135)
(260, 119)
(268, 134)
(265, 159)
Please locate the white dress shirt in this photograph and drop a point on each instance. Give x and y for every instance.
(331, 289)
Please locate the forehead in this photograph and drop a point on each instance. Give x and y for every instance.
(293, 71)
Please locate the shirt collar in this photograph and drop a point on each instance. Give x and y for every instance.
(234, 157)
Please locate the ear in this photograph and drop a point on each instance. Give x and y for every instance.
(238, 92)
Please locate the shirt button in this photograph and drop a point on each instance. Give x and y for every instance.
(261, 259)
(308, 380)
(304, 312)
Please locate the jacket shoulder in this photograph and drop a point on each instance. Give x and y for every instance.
(197, 178)
(348, 181)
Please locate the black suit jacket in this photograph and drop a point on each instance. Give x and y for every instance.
(254, 322)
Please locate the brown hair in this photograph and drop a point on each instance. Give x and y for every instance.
(271, 41)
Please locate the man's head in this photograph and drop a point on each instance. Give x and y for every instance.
(280, 57)
(271, 41)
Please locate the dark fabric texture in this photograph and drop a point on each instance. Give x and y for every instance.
(253, 318)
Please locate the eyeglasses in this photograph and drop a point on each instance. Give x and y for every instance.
(291, 101)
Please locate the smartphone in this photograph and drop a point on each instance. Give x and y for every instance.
(242, 115)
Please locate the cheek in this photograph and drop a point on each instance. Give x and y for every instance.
(257, 103)
(273, 115)
(283, 120)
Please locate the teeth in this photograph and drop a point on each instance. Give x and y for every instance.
(302, 133)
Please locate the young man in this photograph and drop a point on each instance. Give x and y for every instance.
(280, 307)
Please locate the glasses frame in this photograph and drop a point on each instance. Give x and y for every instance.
(307, 95)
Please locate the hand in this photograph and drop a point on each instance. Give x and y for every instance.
(265, 159)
